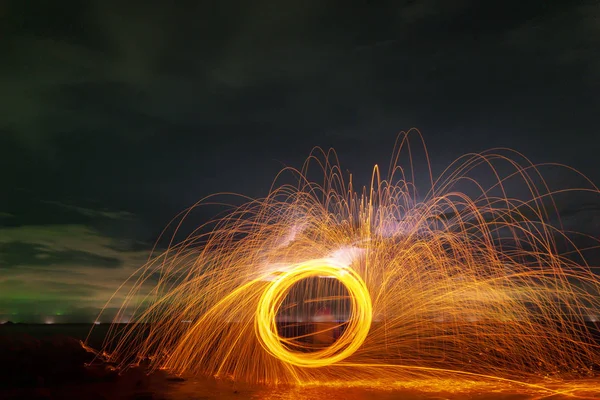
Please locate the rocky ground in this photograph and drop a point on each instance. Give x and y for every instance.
(58, 367)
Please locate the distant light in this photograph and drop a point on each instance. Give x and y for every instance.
(96, 322)
(49, 321)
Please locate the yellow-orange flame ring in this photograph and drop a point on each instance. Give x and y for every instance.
(359, 323)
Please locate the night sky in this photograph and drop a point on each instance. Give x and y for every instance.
(116, 115)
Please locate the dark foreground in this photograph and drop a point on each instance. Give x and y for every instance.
(48, 362)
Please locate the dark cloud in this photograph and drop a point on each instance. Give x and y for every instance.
(50, 269)
(29, 210)
(15, 254)
(59, 290)
(117, 115)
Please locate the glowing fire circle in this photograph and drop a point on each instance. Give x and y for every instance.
(359, 322)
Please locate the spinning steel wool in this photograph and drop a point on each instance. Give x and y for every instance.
(321, 284)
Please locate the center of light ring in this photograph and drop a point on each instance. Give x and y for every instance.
(359, 322)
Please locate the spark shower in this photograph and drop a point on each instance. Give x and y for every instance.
(443, 284)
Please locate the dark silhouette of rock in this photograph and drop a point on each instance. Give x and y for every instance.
(175, 379)
(143, 396)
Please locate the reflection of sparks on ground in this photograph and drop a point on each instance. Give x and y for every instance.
(453, 290)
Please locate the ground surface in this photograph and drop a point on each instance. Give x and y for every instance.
(48, 362)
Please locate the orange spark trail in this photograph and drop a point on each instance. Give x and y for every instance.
(320, 284)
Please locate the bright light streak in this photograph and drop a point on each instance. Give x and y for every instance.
(355, 334)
